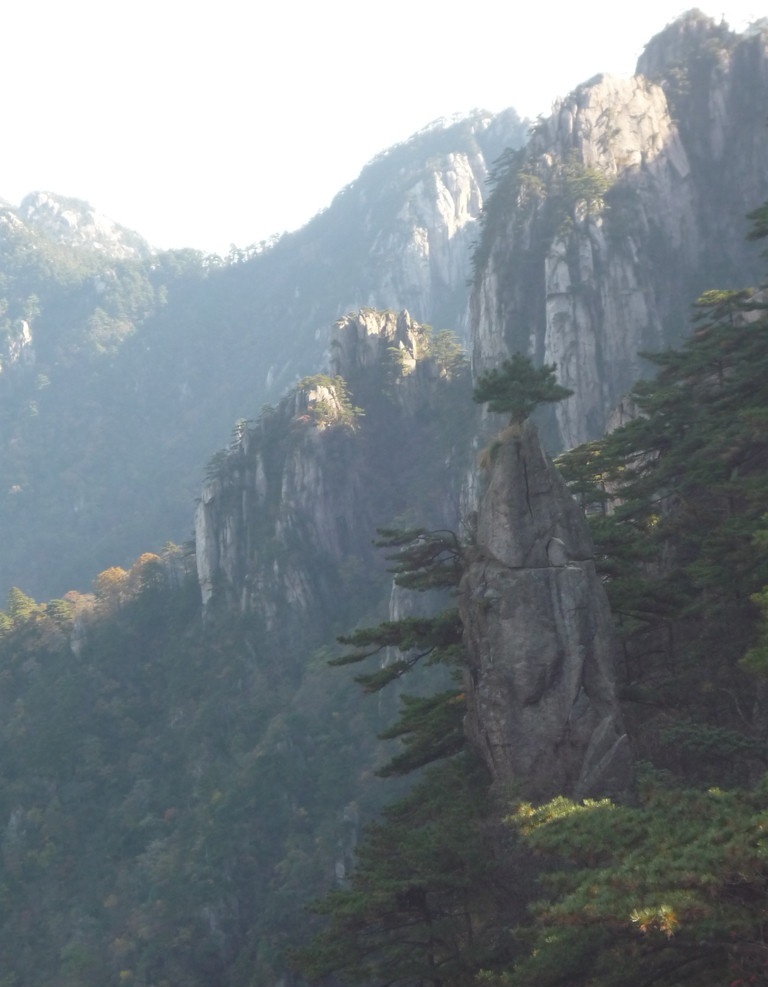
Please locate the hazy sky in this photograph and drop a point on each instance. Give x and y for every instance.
(203, 125)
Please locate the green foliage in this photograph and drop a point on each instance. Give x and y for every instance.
(582, 183)
(532, 192)
(671, 891)
(21, 607)
(756, 657)
(676, 498)
(195, 785)
(665, 892)
(155, 781)
(759, 218)
(423, 559)
(448, 353)
(517, 387)
(436, 638)
(337, 407)
(429, 727)
(429, 901)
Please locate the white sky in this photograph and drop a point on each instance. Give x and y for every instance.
(207, 124)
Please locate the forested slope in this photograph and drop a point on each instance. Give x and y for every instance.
(174, 789)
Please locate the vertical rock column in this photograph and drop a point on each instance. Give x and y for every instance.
(542, 706)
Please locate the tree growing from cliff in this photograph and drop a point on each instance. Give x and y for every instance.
(681, 543)
(430, 728)
(428, 903)
(672, 890)
(517, 388)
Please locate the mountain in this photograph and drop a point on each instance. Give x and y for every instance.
(211, 770)
(73, 225)
(627, 203)
(180, 770)
(107, 346)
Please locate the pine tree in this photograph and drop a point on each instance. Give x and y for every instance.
(517, 387)
(430, 728)
(678, 512)
(668, 892)
(428, 901)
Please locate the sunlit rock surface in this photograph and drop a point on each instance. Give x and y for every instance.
(73, 223)
(627, 203)
(542, 705)
(287, 518)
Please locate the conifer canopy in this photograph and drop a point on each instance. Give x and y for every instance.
(517, 387)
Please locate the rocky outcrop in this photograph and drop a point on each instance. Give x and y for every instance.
(16, 345)
(421, 251)
(273, 526)
(542, 705)
(287, 517)
(399, 237)
(73, 223)
(627, 203)
(196, 344)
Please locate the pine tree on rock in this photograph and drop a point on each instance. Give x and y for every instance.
(517, 387)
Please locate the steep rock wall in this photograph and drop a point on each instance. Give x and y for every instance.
(627, 203)
(416, 212)
(542, 705)
(286, 520)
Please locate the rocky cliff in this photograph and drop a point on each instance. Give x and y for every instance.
(401, 236)
(74, 224)
(111, 342)
(627, 202)
(542, 704)
(286, 520)
(421, 241)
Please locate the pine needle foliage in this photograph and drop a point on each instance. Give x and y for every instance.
(423, 559)
(517, 387)
(665, 893)
(672, 891)
(429, 900)
(677, 502)
(430, 728)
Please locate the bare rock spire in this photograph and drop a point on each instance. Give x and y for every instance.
(542, 705)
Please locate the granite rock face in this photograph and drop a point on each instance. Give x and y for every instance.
(627, 203)
(542, 705)
(416, 218)
(17, 348)
(78, 225)
(286, 520)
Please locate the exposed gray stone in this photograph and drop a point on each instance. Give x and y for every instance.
(542, 705)
(287, 517)
(607, 224)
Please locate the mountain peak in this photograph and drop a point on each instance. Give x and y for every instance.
(680, 40)
(74, 223)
